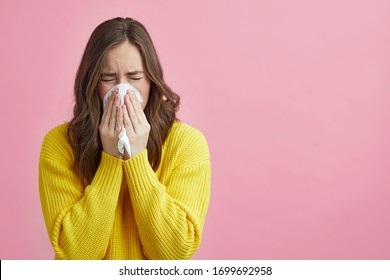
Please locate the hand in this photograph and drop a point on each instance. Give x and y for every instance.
(136, 125)
(111, 125)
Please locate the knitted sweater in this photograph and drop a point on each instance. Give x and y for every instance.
(128, 211)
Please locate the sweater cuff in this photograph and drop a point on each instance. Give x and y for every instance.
(140, 174)
(108, 176)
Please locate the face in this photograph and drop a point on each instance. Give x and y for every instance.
(123, 64)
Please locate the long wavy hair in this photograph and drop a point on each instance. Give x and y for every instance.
(160, 111)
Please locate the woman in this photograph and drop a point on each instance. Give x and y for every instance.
(148, 201)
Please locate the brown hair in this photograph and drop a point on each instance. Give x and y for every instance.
(163, 103)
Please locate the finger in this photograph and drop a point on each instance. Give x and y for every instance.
(107, 110)
(119, 119)
(114, 107)
(131, 111)
(138, 109)
(127, 121)
(142, 117)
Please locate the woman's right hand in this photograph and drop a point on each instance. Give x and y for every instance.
(111, 125)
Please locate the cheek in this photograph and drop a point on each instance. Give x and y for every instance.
(103, 89)
(145, 93)
(144, 90)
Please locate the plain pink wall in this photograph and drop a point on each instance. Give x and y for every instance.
(293, 97)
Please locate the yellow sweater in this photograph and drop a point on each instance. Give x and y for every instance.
(128, 211)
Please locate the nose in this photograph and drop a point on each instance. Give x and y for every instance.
(122, 80)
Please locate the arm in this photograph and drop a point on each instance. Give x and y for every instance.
(170, 217)
(79, 219)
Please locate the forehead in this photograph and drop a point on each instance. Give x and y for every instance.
(125, 55)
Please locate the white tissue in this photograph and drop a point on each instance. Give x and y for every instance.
(122, 92)
(123, 142)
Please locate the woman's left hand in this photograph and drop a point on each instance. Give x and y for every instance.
(136, 125)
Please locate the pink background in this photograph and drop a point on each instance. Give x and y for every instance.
(293, 97)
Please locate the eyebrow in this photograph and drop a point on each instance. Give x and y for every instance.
(108, 74)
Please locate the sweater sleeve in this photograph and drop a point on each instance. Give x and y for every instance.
(79, 219)
(170, 217)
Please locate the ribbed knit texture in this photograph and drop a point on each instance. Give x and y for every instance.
(128, 211)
